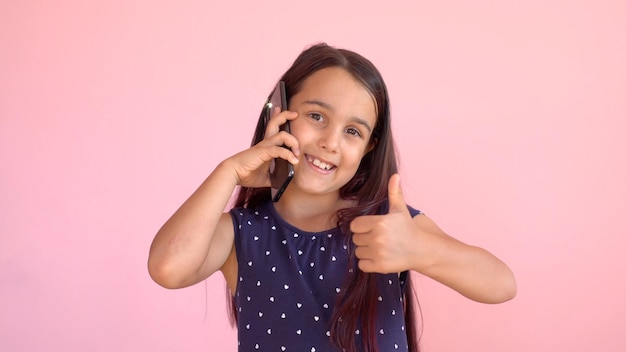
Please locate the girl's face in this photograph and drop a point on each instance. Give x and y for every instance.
(336, 117)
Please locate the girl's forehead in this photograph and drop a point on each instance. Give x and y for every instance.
(340, 90)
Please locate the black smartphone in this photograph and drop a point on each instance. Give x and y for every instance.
(281, 171)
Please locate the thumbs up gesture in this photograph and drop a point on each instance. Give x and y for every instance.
(384, 243)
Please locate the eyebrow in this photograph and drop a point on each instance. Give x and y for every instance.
(326, 106)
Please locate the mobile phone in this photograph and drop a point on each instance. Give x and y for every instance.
(281, 171)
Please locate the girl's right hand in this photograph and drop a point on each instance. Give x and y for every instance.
(251, 166)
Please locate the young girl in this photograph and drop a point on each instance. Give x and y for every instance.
(325, 268)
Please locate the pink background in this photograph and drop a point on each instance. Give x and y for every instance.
(510, 120)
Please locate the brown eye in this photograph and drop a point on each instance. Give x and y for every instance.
(315, 116)
(353, 131)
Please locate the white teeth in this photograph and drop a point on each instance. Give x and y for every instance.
(320, 164)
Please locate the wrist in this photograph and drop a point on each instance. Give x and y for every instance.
(227, 169)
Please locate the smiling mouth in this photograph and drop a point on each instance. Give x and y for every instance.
(320, 164)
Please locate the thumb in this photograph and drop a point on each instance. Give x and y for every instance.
(396, 197)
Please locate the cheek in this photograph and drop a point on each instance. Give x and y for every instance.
(297, 129)
(356, 155)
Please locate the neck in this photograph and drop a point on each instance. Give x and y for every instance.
(313, 213)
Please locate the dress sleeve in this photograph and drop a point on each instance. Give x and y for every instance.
(414, 212)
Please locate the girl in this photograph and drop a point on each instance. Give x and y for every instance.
(325, 268)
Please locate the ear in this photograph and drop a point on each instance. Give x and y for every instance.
(371, 146)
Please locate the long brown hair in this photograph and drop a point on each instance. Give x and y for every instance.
(368, 188)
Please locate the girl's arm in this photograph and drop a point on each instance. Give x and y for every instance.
(198, 239)
(395, 242)
(471, 271)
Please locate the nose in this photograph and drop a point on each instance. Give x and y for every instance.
(330, 140)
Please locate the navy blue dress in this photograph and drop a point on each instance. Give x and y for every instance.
(289, 280)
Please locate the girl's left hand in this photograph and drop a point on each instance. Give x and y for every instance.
(386, 243)
(395, 242)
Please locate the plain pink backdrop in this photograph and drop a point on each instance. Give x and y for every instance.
(509, 118)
